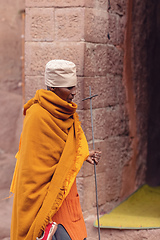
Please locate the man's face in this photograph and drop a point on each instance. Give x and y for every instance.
(65, 93)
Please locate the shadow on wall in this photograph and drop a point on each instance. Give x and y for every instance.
(153, 160)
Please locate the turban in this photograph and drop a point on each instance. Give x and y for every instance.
(60, 73)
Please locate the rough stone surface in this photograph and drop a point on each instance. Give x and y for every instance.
(54, 3)
(96, 25)
(40, 24)
(99, 116)
(118, 7)
(100, 86)
(7, 164)
(10, 112)
(5, 214)
(103, 119)
(116, 29)
(11, 102)
(69, 24)
(10, 45)
(100, 4)
(11, 125)
(89, 193)
(115, 56)
(95, 60)
(109, 88)
(32, 84)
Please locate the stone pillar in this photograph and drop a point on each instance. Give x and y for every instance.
(103, 71)
(86, 33)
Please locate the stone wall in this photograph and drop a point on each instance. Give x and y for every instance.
(10, 100)
(86, 33)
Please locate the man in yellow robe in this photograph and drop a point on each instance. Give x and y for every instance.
(51, 152)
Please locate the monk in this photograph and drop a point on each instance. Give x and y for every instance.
(51, 152)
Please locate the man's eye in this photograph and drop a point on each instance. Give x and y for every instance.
(69, 88)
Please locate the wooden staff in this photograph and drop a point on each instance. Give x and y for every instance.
(90, 98)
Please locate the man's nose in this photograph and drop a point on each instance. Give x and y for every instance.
(73, 91)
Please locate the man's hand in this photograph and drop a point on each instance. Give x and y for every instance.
(94, 156)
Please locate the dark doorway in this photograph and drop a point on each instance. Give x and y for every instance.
(153, 158)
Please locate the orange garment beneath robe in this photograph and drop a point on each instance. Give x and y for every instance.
(70, 215)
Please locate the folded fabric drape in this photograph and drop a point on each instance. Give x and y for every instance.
(52, 150)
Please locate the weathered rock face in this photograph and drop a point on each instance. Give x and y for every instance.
(11, 102)
(10, 121)
(11, 124)
(10, 45)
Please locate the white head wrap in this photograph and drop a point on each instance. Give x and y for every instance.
(60, 73)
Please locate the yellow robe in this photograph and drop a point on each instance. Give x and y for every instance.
(52, 150)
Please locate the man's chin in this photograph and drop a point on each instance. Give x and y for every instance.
(69, 101)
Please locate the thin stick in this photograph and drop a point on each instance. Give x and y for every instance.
(90, 97)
